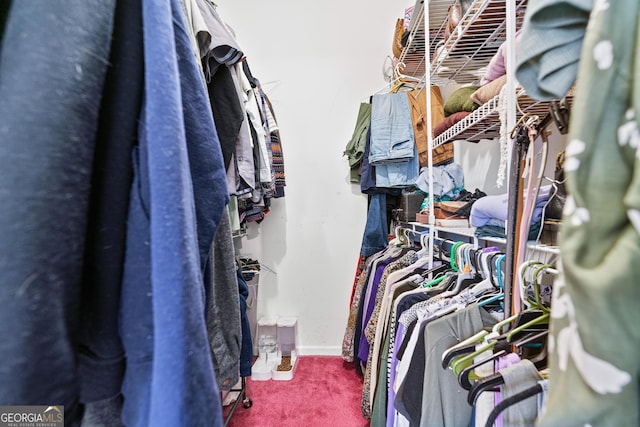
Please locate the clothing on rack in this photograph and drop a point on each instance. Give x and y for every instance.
(348, 353)
(367, 170)
(223, 307)
(248, 132)
(438, 400)
(392, 150)
(277, 156)
(379, 269)
(370, 327)
(403, 325)
(46, 158)
(246, 347)
(234, 396)
(394, 330)
(216, 41)
(503, 363)
(257, 122)
(393, 275)
(241, 175)
(178, 163)
(378, 262)
(123, 276)
(594, 359)
(101, 355)
(381, 350)
(389, 141)
(227, 111)
(392, 139)
(486, 402)
(418, 102)
(375, 237)
(518, 378)
(355, 147)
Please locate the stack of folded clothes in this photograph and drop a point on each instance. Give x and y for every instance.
(489, 214)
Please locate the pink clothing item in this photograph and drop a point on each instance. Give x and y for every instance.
(408, 13)
(497, 66)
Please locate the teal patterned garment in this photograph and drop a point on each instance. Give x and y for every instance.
(595, 358)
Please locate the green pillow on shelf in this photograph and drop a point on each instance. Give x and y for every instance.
(460, 100)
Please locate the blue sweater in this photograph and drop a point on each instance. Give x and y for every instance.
(178, 196)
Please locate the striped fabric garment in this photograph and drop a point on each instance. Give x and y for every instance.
(276, 150)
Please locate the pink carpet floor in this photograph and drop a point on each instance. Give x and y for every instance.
(324, 392)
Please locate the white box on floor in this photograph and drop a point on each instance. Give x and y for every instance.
(287, 334)
(268, 351)
(267, 328)
(287, 331)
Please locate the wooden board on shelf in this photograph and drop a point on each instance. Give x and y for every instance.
(453, 223)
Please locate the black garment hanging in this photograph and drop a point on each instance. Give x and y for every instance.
(227, 111)
(4, 13)
(101, 360)
(49, 109)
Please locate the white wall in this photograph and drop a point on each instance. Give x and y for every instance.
(480, 162)
(317, 61)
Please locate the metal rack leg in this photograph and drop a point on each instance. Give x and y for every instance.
(246, 401)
